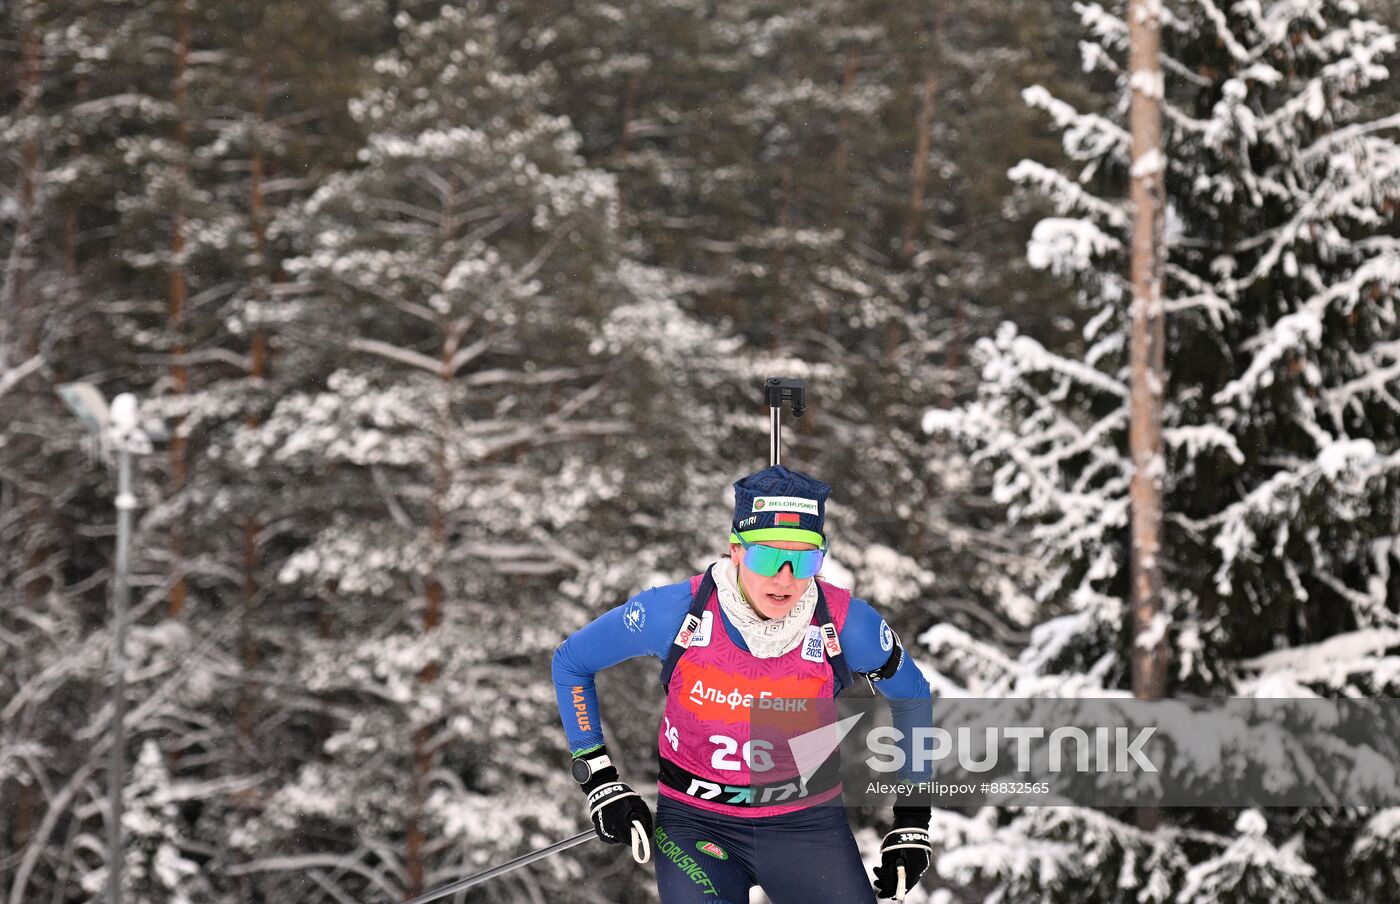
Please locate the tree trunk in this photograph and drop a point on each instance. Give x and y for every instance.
(179, 293)
(1149, 656)
(70, 220)
(919, 174)
(16, 313)
(325, 630)
(954, 356)
(434, 590)
(257, 369)
(840, 191)
(629, 111)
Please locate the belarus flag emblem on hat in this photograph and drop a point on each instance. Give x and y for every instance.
(784, 518)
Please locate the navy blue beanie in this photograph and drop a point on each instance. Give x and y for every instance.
(778, 504)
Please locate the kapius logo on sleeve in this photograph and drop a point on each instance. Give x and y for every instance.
(581, 709)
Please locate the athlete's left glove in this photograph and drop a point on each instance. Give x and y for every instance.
(905, 853)
(619, 814)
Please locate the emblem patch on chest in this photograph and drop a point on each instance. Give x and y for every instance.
(812, 646)
(701, 637)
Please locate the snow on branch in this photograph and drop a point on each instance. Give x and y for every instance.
(1030, 356)
(1110, 29)
(1068, 246)
(1277, 499)
(1370, 607)
(1206, 437)
(1222, 30)
(1205, 297)
(1359, 45)
(1377, 378)
(1300, 331)
(981, 666)
(1045, 849)
(1332, 664)
(1345, 136)
(1088, 136)
(1253, 861)
(1067, 195)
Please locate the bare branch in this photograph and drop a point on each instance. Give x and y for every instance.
(396, 353)
(468, 354)
(12, 377)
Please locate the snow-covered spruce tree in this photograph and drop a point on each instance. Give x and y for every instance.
(158, 843)
(96, 83)
(448, 281)
(143, 142)
(1282, 471)
(775, 150)
(273, 75)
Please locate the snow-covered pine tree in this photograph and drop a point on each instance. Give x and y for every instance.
(158, 867)
(271, 86)
(447, 283)
(1282, 471)
(773, 149)
(89, 92)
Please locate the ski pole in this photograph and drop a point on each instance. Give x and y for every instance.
(776, 390)
(493, 872)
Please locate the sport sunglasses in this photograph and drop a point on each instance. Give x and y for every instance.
(769, 560)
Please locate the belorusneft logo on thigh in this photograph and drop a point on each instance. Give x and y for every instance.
(1189, 752)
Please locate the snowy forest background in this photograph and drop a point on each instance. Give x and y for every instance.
(457, 315)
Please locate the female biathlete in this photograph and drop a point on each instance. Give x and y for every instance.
(751, 627)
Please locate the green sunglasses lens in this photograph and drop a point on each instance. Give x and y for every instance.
(807, 563)
(769, 560)
(764, 560)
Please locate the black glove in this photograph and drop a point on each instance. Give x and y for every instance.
(619, 814)
(905, 853)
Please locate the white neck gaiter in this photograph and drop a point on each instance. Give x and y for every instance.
(767, 638)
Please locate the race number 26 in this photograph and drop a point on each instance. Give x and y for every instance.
(757, 754)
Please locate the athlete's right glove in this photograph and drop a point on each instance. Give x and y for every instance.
(619, 814)
(905, 853)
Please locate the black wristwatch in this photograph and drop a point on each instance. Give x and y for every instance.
(585, 767)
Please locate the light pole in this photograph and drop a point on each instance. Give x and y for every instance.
(119, 430)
